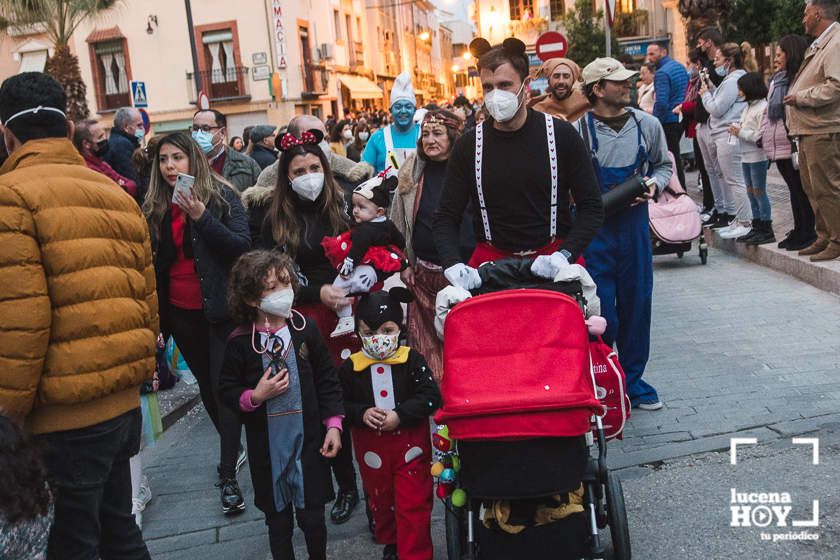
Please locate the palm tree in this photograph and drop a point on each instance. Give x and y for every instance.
(59, 19)
(704, 13)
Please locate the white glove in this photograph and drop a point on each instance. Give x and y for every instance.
(590, 291)
(463, 276)
(446, 299)
(366, 277)
(347, 267)
(551, 266)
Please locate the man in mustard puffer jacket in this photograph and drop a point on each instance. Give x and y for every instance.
(79, 319)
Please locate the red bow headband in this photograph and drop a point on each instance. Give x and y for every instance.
(289, 140)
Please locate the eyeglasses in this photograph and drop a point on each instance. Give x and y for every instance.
(204, 128)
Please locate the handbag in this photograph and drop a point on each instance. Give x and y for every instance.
(794, 147)
(610, 387)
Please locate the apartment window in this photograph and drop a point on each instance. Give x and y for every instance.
(557, 8)
(218, 49)
(33, 61)
(349, 26)
(521, 9)
(221, 73)
(111, 74)
(625, 6)
(337, 22)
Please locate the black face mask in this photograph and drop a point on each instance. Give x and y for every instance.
(100, 148)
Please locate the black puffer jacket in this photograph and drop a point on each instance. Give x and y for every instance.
(219, 237)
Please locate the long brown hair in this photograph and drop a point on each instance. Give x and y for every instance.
(285, 223)
(208, 185)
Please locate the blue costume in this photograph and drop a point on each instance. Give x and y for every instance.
(405, 143)
(620, 257)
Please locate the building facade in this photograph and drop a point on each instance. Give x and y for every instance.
(260, 61)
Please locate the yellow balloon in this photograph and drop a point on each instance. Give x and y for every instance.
(437, 468)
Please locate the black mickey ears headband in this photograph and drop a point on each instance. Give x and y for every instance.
(512, 46)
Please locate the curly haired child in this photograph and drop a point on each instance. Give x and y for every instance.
(278, 373)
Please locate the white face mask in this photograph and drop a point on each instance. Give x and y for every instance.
(502, 105)
(347, 134)
(363, 136)
(278, 303)
(308, 186)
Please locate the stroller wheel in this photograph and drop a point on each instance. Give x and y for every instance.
(456, 531)
(704, 255)
(679, 254)
(619, 529)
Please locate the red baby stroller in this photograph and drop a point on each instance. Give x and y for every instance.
(520, 405)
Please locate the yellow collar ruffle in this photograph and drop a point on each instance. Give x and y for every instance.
(361, 362)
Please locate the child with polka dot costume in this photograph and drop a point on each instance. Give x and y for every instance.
(389, 394)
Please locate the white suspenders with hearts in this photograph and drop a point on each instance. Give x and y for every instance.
(552, 161)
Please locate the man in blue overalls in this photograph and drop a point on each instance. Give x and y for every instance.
(624, 142)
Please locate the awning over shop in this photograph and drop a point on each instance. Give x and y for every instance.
(360, 87)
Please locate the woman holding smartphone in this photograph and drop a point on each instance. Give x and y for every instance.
(199, 228)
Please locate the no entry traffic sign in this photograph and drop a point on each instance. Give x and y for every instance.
(551, 45)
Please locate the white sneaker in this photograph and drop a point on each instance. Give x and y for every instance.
(144, 493)
(139, 502)
(345, 325)
(735, 230)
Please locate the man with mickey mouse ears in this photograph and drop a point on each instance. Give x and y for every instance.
(518, 167)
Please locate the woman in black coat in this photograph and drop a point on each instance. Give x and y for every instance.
(196, 238)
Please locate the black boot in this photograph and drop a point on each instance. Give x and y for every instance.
(344, 505)
(756, 228)
(390, 552)
(765, 235)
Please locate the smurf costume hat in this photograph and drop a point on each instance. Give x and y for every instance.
(402, 90)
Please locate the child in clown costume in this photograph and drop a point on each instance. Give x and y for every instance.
(372, 247)
(389, 394)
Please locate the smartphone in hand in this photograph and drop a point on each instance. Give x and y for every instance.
(183, 184)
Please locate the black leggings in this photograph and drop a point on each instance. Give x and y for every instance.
(803, 214)
(203, 345)
(708, 196)
(281, 527)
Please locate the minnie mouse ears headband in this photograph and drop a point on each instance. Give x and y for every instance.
(511, 46)
(288, 140)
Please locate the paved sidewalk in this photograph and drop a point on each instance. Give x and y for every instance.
(738, 349)
(824, 275)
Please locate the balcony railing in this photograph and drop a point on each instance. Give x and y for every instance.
(315, 80)
(226, 84)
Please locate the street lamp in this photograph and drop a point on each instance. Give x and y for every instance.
(424, 36)
(455, 68)
(467, 56)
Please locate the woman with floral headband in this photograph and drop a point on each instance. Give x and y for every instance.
(418, 193)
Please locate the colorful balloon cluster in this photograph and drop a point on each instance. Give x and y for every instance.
(446, 466)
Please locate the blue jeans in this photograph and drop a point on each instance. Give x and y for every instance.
(755, 176)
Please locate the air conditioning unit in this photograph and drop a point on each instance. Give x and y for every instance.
(327, 51)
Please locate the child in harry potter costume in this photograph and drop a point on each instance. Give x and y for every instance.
(389, 394)
(278, 374)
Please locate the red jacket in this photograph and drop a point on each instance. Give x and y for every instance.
(100, 166)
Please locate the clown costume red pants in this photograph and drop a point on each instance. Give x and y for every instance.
(398, 483)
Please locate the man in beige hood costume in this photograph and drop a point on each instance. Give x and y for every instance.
(564, 98)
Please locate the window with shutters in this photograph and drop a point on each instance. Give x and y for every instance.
(557, 9)
(111, 74)
(221, 71)
(521, 9)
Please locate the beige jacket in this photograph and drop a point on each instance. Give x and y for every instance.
(817, 89)
(402, 209)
